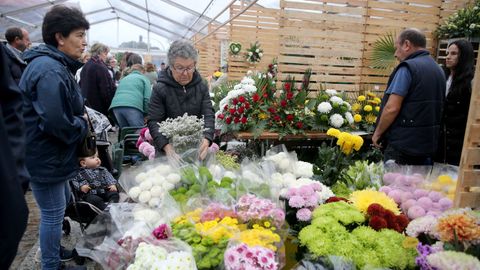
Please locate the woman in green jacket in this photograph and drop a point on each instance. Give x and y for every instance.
(130, 103)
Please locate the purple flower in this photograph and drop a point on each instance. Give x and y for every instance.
(296, 202)
(162, 232)
(304, 214)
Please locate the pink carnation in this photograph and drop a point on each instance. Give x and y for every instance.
(304, 214)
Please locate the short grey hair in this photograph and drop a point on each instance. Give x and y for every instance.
(183, 49)
(98, 48)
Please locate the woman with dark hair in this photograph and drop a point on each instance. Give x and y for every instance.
(55, 121)
(459, 71)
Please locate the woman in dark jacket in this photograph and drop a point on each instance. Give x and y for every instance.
(460, 71)
(180, 90)
(54, 121)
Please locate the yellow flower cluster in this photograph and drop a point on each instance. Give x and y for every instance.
(191, 217)
(365, 111)
(259, 236)
(363, 198)
(217, 74)
(227, 227)
(347, 142)
(445, 184)
(370, 118)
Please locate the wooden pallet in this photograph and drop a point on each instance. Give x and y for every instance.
(468, 184)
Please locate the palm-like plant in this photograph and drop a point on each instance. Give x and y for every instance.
(383, 55)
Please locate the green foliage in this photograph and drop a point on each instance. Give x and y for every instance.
(330, 162)
(383, 55)
(463, 23)
(220, 92)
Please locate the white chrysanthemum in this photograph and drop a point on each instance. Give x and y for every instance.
(303, 169)
(324, 107)
(349, 117)
(336, 120)
(248, 80)
(331, 92)
(336, 100)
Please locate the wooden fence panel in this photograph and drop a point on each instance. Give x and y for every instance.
(256, 24)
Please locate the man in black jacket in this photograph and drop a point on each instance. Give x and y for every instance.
(18, 41)
(409, 123)
(13, 208)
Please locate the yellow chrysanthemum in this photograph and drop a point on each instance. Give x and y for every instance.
(370, 119)
(347, 147)
(217, 74)
(333, 132)
(371, 95)
(363, 198)
(263, 116)
(227, 227)
(361, 98)
(378, 100)
(356, 107)
(445, 179)
(260, 237)
(357, 118)
(192, 216)
(377, 108)
(368, 108)
(357, 142)
(410, 242)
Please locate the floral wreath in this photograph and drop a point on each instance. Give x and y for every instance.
(235, 48)
(254, 53)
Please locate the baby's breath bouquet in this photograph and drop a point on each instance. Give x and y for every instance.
(184, 132)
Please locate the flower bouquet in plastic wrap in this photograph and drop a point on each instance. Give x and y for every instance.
(184, 132)
(338, 229)
(207, 230)
(113, 237)
(405, 185)
(448, 241)
(360, 175)
(442, 178)
(148, 183)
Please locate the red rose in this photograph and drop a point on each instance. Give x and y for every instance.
(377, 223)
(225, 108)
(265, 95)
(241, 110)
(228, 120)
(287, 87)
(221, 116)
(236, 120)
(235, 101)
(283, 103)
(241, 99)
(290, 117)
(299, 125)
(272, 110)
(244, 120)
(277, 118)
(247, 105)
(289, 95)
(232, 111)
(255, 97)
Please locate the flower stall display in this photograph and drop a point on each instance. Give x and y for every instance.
(463, 23)
(365, 111)
(235, 48)
(453, 239)
(331, 111)
(254, 54)
(184, 132)
(414, 201)
(336, 230)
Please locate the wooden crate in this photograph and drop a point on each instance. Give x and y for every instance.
(468, 183)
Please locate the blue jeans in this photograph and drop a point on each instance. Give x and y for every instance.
(128, 117)
(52, 200)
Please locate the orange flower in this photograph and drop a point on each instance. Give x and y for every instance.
(464, 226)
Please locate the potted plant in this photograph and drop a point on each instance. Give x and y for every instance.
(465, 23)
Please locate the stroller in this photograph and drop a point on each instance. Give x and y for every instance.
(77, 209)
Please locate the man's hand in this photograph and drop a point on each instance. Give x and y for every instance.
(376, 140)
(203, 150)
(113, 188)
(85, 188)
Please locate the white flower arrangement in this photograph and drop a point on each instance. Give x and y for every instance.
(324, 107)
(349, 117)
(336, 120)
(184, 132)
(331, 92)
(336, 100)
(254, 53)
(245, 87)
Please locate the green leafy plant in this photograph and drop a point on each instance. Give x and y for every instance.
(463, 23)
(220, 92)
(383, 54)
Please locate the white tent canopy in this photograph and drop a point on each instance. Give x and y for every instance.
(155, 22)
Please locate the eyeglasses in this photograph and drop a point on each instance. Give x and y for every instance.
(182, 70)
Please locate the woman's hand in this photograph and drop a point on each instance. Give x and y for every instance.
(112, 188)
(203, 150)
(170, 152)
